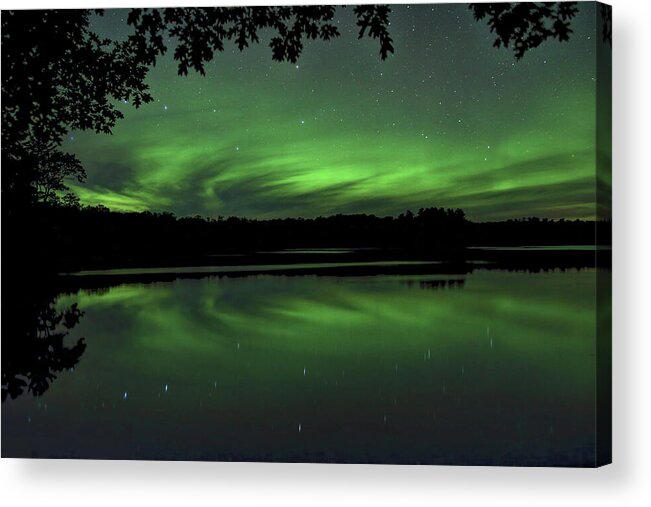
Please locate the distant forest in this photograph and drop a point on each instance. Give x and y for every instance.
(84, 236)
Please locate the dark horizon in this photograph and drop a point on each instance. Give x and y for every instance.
(514, 218)
(115, 239)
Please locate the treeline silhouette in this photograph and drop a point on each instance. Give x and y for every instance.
(77, 237)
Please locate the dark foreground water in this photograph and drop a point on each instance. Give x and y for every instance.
(492, 367)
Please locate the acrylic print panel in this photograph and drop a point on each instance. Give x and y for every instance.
(375, 234)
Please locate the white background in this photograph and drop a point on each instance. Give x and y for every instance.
(626, 482)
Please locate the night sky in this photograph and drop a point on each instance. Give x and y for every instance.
(448, 120)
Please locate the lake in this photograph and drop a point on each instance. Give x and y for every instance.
(485, 367)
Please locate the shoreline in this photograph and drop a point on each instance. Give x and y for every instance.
(340, 264)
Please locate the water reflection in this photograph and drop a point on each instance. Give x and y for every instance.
(437, 284)
(34, 351)
(352, 369)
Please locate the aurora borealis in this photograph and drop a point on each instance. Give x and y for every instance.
(448, 120)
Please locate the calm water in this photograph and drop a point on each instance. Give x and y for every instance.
(494, 367)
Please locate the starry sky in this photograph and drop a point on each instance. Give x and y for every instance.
(448, 120)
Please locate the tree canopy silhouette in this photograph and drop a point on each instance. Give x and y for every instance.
(526, 25)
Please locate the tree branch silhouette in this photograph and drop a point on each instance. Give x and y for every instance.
(524, 26)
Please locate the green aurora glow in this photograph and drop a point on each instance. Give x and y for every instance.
(448, 120)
